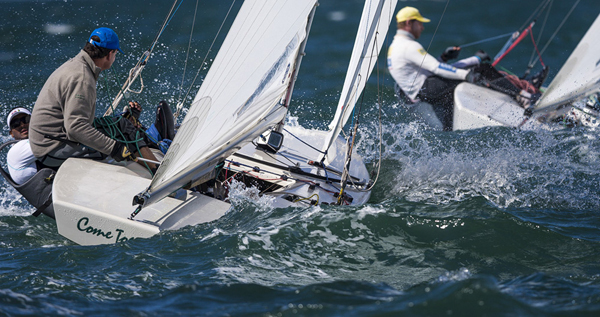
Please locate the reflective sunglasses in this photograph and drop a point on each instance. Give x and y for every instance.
(15, 123)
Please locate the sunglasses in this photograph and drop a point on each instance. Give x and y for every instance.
(15, 123)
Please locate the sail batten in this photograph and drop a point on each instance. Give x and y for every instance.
(243, 88)
(373, 27)
(579, 76)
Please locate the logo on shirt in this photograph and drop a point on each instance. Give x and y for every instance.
(447, 67)
(422, 51)
(80, 97)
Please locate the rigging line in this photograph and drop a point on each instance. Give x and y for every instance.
(539, 37)
(180, 104)
(354, 131)
(142, 60)
(187, 55)
(541, 7)
(486, 40)
(275, 158)
(305, 143)
(380, 129)
(558, 29)
(430, 42)
(166, 22)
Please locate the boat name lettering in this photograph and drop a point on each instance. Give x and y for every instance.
(82, 225)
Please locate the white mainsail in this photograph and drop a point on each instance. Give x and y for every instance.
(373, 27)
(242, 94)
(579, 76)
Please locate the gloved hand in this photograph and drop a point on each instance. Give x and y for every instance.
(164, 145)
(483, 56)
(120, 152)
(133, 113)
(451, 52)
(473, 76)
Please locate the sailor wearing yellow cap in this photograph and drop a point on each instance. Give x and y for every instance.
(420, 76)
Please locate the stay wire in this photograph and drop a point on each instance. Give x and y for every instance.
(430, 42)
(557, 30)
(188, 51)
(535, 14)
(146, 56)
(180, 104)
(542, 28)
(487, 40)
(166, 22)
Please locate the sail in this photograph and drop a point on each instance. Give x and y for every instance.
(241, 96)
(579, 76)
(373, 27)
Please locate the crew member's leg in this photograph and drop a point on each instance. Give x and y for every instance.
(439, 92)
(56, 157)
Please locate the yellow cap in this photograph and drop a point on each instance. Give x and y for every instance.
(410, 13)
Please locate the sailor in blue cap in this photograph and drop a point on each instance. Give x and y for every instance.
(105, 37)
(62, 122)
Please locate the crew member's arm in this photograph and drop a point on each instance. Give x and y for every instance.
(432, 65)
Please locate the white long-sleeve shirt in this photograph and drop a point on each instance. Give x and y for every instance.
(21, 162)
(409, 64)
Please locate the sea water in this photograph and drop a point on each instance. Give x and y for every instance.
(492, 221)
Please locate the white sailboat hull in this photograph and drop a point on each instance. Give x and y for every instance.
(90, 200)
(303, 183)
(477, 107)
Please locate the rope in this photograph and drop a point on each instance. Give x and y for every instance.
(307, 198)
(110, 125)
(536, 49)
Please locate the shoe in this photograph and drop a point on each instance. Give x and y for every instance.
(538, 79)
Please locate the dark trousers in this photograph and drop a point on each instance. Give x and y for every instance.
(117, 128)
(439, 92)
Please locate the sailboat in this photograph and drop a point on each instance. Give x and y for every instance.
(477, 107)
(234, 126)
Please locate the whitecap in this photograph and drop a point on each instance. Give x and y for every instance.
(58, 29)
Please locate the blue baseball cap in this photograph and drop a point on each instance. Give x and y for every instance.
(108, 39)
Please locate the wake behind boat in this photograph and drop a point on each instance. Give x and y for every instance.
(244, 97)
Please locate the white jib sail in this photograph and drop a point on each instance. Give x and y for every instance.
(373, 27)
(579, 76)
(241, 95)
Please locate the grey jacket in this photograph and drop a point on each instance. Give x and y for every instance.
(65, 108)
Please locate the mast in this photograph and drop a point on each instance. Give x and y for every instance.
(301, 55)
